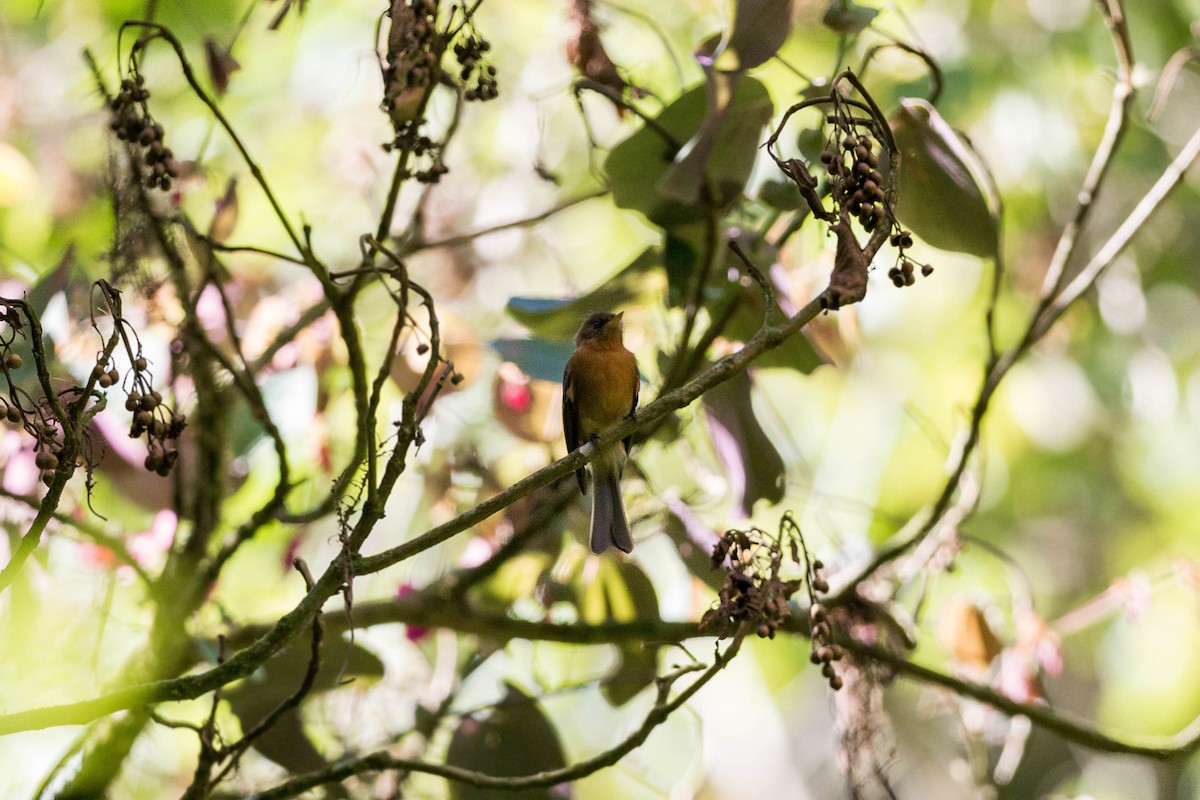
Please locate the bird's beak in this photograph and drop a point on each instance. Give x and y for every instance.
(617, 318)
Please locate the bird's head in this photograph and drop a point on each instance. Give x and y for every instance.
(600, 327)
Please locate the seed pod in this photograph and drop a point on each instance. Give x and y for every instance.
(835, 682)
(13, 361)
(46, 460)
(113, 375)
(926, 270)
(143, 418)
(827, 670)
(13, 414)
(104, 380)
(153, 461)
(817, 612)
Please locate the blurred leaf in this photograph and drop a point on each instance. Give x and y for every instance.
(941, 196)
(560, 318)
(286, 742)
(723, 151)
(221, 65)
(781, 195)
(515, 739)
(18, 178)
(848, 18)
(537, 358)
(749, 459)
(694, 540)
(51, 283)
(637, 165)
(760, 27)
(517, 578)
(639, 660)
(811, 142)
(225, 214)
(683, 249)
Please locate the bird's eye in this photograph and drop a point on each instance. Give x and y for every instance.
(597, 324)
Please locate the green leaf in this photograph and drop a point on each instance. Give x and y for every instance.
(637, 166)
(760, 27)
(514, 740)
(941, 193)
(848, 18)
(560, 318)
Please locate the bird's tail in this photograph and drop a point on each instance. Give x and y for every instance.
(610, 528)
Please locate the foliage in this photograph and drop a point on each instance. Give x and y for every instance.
(287, 291)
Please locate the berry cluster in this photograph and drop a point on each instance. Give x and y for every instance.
(857, 182)
(469, 53)
(902, 274)
(753, 592)
(160, 424)
(49, 449)
(131, 122)
(824, 651)
(409, 137)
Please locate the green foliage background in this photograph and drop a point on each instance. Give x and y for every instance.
(1089, 469)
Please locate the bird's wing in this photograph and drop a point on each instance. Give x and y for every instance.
(571, 422)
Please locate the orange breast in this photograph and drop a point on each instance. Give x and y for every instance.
(604, 383)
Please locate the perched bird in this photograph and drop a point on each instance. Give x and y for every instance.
(600, 388)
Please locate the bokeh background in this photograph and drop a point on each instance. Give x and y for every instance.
(1089, 471)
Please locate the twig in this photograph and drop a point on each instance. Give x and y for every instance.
(467, 238)
(382, 760)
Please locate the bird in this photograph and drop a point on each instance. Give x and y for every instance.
(600, 388)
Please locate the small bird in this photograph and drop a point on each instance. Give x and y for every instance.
(600, 388)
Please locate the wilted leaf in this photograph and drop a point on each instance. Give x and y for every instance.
(513, 740)
(221, 65)
(225, 214)
(964, 631)
(848, 18)
(585, 49)
(941, 194)
(560, 318)
(637, 165)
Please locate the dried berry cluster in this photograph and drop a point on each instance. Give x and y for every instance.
(824, 650)
(857, 182)
(753, 592)
(151, 417)
(49, 450)
(413, 67)
(902, 273)
(469, 53)
(414, 45)
(408, 137)
(131, 122)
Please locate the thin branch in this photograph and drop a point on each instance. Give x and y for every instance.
(467, 238)
(1184, 743)
(1114, 132)
(382, 760)
(290, 625)
(251, 164)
